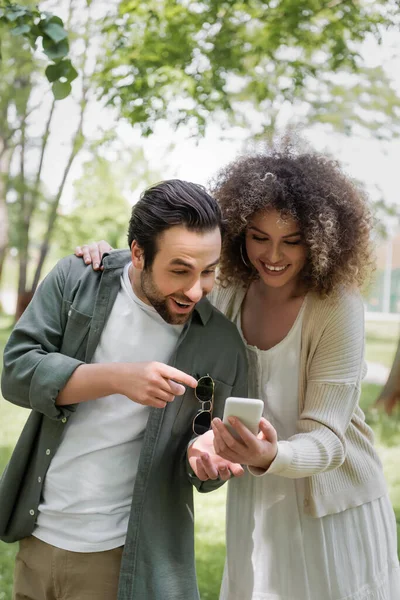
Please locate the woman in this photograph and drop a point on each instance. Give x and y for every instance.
(311, 518)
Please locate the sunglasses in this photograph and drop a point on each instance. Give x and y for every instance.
(204, 393)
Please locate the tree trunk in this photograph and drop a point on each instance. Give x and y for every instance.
(3, 253)
(390, 395)
(23, 300)
(23, 250)
(5, 159)
(3, 230)
(4, 166)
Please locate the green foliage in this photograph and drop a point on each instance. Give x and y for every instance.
(34, 25)
(185, 60)
(101, 211)
(103, 201)
(354, 101)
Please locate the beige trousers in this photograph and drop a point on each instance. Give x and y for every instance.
(44, 572)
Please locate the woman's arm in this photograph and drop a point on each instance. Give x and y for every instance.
(332, 394)
(333, 390)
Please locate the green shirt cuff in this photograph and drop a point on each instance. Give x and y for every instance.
(50, 377)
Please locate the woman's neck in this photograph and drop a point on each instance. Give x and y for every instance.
(277, 296)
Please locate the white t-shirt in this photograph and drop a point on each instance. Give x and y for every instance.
(88, 488)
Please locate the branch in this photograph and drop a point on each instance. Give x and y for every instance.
(76, 147)
(5, 142)
(35, 191)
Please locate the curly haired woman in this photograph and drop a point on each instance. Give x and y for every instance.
(311, 518)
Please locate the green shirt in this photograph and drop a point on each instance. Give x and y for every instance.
(60, 330)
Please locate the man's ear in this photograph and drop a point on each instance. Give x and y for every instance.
(137, 256)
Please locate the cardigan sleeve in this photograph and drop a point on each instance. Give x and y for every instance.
(332, 394)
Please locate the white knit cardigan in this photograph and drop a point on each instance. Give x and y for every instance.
(333, 448)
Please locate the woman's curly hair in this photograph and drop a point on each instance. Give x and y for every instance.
(332, 212)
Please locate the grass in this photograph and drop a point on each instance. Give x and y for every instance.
(210, 508)
(210, 541)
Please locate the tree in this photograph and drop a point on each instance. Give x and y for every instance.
(16, 67)
(25, 104)
(21, 27)
(186, 61)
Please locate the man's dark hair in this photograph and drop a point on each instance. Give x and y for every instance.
(169, 203)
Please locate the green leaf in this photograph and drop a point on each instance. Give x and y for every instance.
(55, 32)
(55, 19)
(55, 51)
(13, 15)
(71, 74)
(54, 72)
(63, 68)
(49, 17)
(61, 90)
(20, 30)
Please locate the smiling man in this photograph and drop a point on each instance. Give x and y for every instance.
(98, 489)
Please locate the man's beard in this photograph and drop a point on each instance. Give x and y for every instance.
(159, 302)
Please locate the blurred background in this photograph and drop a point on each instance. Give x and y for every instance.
(99, 99)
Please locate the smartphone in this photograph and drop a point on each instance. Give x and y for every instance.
(248, 410)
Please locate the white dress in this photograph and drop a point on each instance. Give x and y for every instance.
(274, 550)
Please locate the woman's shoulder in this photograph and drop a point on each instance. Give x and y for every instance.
(226, 298)
(344, 304)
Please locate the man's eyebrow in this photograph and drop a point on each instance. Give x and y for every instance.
(183, 263)
(295, 233)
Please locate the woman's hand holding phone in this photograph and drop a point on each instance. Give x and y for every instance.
(253, 450)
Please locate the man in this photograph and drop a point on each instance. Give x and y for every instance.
(98, 489)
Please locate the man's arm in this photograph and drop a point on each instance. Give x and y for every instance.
(37, 376)
(34, 371)
(148, 383)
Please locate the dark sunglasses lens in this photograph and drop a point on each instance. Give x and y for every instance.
(202, 423)
(205, 389)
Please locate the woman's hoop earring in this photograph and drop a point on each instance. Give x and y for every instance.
(246, 264)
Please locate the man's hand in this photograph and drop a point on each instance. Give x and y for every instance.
(253, 450)
(93, 253)
(152, 383)
(207, 464)
(148, 383)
